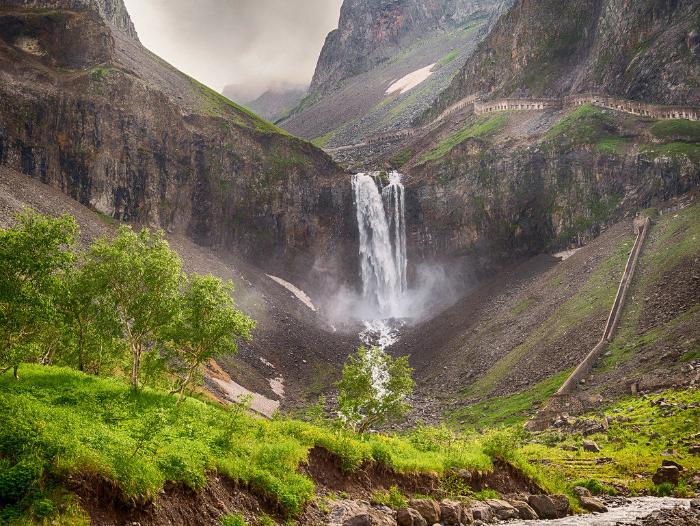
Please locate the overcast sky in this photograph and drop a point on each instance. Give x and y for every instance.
(222, 42)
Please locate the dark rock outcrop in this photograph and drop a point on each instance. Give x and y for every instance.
(85, 108)
(550, 506)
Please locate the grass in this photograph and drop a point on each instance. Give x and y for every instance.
(485, 125)
(673, 150)
(220, 106)
(588, 125)
(323, 140)
(676, 128)
(634, 445)
(450, 57)
(402, 157)
(59, 422)
(508, 410)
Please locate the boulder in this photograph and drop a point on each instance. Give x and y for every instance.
(580, 491)
(695, 504)
(410, 517)
(525, 511)
(451, 512)
(593, 504)
(550, 506)
(350, 512)
(502, 509)
(590, 446)
(362, 519)
(666, 474)
(694, 449)
(428, 509)
(481, 511)
(671, 463)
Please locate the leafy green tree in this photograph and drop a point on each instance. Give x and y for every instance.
(207, 325)
(139, 277)
(33, 255)
(90, 337)
(373, 389)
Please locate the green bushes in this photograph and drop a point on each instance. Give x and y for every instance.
(595, 486)
(60, 422)
(123, 305)
(232, 520)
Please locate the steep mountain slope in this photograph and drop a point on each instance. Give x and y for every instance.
(639, 50)
(518, 181)
(85, 108)
(501, 351)
(376, 45)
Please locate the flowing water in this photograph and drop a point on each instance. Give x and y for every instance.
(380, 208)
(628, 514)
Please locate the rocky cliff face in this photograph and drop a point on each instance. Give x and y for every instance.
(85, 108)
(497, 204)
(112, 11)
(644, 50)
(420, 44)
(370, 32)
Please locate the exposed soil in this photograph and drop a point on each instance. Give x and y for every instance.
(676, 291)
(325, 469)
(175, 505)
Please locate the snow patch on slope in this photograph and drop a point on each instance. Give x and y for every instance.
(411, 80)
(300, 294)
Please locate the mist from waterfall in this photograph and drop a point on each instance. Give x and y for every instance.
(386, 301)
(380, 208)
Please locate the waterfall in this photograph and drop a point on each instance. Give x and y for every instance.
(380, 208)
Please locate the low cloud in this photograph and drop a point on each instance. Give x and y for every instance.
(221, 42)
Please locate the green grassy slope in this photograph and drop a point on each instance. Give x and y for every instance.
(59, 422)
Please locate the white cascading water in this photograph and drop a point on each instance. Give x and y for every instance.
(380, 207)
(382, 228)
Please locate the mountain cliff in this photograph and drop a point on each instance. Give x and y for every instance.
(371, 32)
(87, 109)
(639, 50)
(385, 64)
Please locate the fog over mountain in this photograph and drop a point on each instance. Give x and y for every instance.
(249, 42)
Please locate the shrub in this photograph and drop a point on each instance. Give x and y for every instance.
(595, 486)
(392, 498)
(664, 490)
(232, 519)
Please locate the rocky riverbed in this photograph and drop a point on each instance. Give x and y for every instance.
(638, 511)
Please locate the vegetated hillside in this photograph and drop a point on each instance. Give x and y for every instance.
(289, 341)
(86, 108)
(498, 354)
(377, 44)
(514, 183)
(644, 50)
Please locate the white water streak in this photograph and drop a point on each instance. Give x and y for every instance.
(382, 229)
